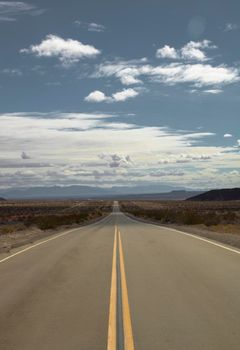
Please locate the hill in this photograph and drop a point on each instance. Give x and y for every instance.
(226, 194)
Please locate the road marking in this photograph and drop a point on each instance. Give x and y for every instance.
(187, 234)
(127, 325)
(205, 240)
(37, 244)
(112, 324)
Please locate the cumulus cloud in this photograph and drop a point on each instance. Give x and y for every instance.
(120, 96)
(124, 95)
(126, 71)
(96, 96)
(167, 52)
(116, 160)
(68, 51)
(192, 51)
(10, 10)
(197, 74)
(227, 135)
(91, 27)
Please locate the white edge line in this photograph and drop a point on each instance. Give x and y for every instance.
(37, 244)
(50, 239)
(205, 240)
(189, 234)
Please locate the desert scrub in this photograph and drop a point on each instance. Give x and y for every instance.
(184, 213)
(8, 229)
(50, 214)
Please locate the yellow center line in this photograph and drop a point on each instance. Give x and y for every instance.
(112, 324)
(127, 324)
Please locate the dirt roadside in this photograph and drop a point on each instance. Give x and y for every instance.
(33, 234)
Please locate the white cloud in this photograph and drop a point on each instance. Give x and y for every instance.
(197, 74)
(227, 135)
(124, 95)
(116, 160)
(120, 96)
(68, 51)
(187, 157)
(10, 10)
(128, 79)
(167, 52)
(91, 27)
(95, 27)
(213, 91)
(230, 26)
(66, 148)
(192, 51)
(96, 96)
(126, 71)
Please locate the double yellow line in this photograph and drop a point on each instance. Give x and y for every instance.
(113, 310)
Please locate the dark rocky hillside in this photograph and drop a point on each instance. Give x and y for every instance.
(227, 194)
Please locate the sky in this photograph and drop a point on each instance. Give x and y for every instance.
(120, 93)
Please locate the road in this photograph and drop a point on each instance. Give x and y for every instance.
(120, 284)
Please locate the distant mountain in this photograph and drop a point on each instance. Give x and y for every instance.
(2, 199)
(226, 194)
(85, 192)
(173, 195)
(82, 192)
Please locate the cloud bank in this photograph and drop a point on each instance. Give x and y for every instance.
(103, 149)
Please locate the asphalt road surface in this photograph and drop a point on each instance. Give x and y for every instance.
(120, 284)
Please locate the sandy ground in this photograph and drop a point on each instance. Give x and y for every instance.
(16, 239)
(19, 238)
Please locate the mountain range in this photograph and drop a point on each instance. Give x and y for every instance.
(85, 192)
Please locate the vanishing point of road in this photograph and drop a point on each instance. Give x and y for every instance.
(120, 284)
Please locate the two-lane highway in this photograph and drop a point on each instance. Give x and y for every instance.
(120, 284)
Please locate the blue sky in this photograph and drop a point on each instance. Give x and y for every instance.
(120, 93)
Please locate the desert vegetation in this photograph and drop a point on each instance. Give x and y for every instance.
(19, 215)
(186, 212)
